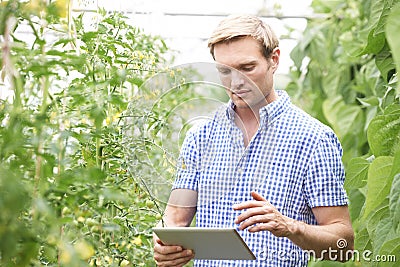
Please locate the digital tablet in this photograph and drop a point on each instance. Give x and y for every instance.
(207, 243)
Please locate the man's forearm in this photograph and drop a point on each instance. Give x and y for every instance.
(327, 241)
(182, 205)
(334, 225)
(177, 216)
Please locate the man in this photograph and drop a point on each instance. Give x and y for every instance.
(260, 165)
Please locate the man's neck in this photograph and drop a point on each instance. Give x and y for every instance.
(248, 118)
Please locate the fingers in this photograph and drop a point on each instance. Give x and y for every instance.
(258, 201)
(174, 256)
(258, 197)
(271, 226)
(247, 205)
(257, 220)
(165, 250)
(255, 215)
(260, 215)
(173, 262)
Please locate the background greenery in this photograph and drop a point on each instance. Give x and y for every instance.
(345, 75)
(81, 132)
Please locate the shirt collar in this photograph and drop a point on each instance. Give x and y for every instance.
(268, 113)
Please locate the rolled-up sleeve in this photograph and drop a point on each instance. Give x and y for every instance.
(325, 174)
(187, 171)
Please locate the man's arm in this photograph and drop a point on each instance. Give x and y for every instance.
(334, 230)
(180, 210)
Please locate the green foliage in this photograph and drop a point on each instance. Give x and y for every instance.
(67, 197)
(384, 132)
(392, 26)
(351, 64)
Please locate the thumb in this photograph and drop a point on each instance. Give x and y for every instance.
(157, 240)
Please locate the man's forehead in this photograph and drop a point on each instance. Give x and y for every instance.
(238, 53)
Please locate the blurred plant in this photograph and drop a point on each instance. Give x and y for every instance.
(66, 195)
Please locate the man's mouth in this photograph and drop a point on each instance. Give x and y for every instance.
(240, 93)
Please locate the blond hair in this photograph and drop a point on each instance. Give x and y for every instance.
(239, 26)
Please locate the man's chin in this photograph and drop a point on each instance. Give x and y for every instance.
(241, 103)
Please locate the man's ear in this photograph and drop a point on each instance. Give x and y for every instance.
(275, 58)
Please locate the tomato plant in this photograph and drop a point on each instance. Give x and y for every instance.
(68, 197)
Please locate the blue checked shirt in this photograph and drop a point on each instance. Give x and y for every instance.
(293, 160)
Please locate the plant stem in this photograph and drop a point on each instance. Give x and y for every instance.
(98, 149)
(8, 67)
(45, 84)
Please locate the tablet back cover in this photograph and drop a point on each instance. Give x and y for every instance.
(207, 243)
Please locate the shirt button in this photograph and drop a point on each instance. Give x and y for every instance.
(240, 170)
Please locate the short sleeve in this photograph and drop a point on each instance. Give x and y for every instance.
(187, 171)
(325, 175)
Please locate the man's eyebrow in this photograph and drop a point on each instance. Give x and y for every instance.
(245, 64)
(220, 66)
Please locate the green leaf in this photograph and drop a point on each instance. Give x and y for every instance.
(136, 81)
(389, 98)
(385, 64)
(394, 201)
(89, 35)
(376, 13)
(297, 55)
(64, 41)
(351, 43)
(375, 43)
(369, 101)
(311, 35)
(393, 38)
(357, 173)
(375, 217)
(382, 233)
(357, 200)
(340, 115)
(331, 84)
(362, 240)
(380, 27)
(379, 183)
(396, 165)
(384, 132)
(391, 249)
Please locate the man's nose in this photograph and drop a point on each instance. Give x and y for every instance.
(237, 80)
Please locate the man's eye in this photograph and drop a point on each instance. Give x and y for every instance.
(248, 68)
(224, 71)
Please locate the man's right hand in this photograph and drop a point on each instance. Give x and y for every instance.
(171, 256)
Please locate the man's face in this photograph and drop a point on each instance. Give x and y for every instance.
(245, 72)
